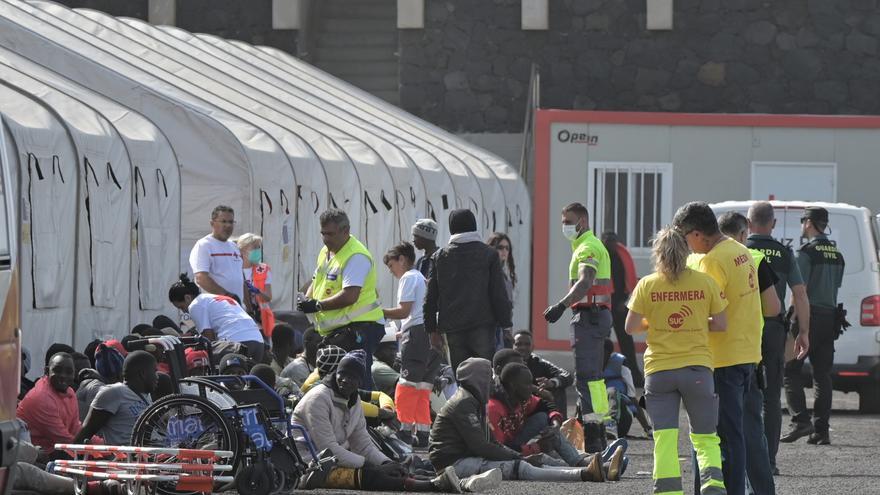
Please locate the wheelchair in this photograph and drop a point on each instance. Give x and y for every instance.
(242, 415)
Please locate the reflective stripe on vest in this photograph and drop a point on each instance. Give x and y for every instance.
(328, 282)
(259, 274)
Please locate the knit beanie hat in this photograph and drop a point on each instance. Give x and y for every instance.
(108, 361)
(462, 220)
(328, 359)
(354, 363)
(426, 229)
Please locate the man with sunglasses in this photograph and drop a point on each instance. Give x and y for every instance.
(821, 264)
(216, 261)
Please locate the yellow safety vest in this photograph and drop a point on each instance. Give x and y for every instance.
(328, 281)
(757, 256)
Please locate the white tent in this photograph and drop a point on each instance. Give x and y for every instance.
(156, 182)
(441, 191)
(516, 219)
(46, 178)
(276, 217)
(223, 159)
(103, 247)
(378, 212)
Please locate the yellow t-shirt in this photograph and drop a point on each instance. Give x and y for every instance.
(730, 264)
(678, 319)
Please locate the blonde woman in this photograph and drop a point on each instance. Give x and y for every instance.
(678, 307)
(258, 278)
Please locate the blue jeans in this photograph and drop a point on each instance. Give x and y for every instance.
(758, 467)
(538, 422)
(731, 385)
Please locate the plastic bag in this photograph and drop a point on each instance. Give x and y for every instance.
(573, 431)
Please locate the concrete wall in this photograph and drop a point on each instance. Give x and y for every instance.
(468, 69)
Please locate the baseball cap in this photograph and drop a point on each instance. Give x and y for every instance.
(196, 358)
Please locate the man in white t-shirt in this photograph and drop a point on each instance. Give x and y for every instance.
(219, 317)
(216, 261)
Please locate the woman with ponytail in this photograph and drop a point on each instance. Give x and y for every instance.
(678, 307)
(217, 317)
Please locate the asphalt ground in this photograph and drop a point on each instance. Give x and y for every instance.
(848, 466)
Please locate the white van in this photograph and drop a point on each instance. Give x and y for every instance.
(857, 352)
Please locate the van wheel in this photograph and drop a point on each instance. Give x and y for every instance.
(869, 398)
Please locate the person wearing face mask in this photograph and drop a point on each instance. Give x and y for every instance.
(589, 296)
(258, 280)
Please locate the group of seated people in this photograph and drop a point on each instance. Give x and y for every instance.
(96, 396)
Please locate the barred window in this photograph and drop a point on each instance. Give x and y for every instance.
(632, 199)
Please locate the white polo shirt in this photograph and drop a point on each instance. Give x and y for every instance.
(222, 261)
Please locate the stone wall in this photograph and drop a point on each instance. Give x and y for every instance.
(126, 8)
(468, 69)
(245, 20)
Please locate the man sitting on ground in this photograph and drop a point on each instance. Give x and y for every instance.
(332, 414)
(459, 436)
(50, 408)
(116, 408)
(108, 364)
(552, 381)
(283, 343)
(385, 376)
(622, 402)
(528, 424)
(303, 365)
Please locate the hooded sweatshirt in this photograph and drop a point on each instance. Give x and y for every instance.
(460, 429)
(336, 423)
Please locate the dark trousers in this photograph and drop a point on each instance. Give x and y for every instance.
(773, 355)
(731, 385)
(625, 341)
(758, 467)
(475, 342)
(822, 333)
(359, 335)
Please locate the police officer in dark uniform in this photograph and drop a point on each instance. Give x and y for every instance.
(821, 265)
(762, 221)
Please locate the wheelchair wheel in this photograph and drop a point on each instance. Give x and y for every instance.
(185, 422)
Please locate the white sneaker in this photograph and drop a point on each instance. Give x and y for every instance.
(482, 482)
(448, 481)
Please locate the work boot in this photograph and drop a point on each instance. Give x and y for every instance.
(594, 437)
(819, 438)
(448, 481)
(482, 482)
(613, 468)
(595, 471)
(797, 431)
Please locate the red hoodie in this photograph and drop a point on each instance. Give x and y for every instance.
(506, 420)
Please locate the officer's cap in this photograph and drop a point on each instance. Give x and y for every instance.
(817, 214)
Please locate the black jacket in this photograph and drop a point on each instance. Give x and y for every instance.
(460, 429)
(466, 287)
(541, 368)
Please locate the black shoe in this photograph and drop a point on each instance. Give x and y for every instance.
(819, 438)
(775, 471)
(421, 440)
(796, 432)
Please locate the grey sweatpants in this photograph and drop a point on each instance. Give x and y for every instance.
(665, 390)
(515, 470)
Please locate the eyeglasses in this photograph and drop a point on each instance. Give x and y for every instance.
(225, 222)
(502, 247)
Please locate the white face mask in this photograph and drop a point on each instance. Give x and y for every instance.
(570, 232)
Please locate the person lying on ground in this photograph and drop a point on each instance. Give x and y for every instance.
(460, 437)
(332, 414)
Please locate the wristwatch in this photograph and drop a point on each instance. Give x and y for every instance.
(318, 306)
